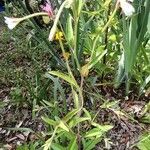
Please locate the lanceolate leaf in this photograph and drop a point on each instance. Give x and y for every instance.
(95, 60)
(87, 113)
(56, 146)
(147, 80)
(90, 144)
(73, 144)
(144, 143)
(77, 120)
(69, 30)
(64, 77)
(104, 128)
(95, 132)
(63, 126)
(148, 25)
(70, 115)
(50, 121)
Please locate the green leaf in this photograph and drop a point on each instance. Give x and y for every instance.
(80, 4)
(77, 120)
(48, 143)
(73, 144)
(148, 25)
(56, 146)
(69, 30)
(81, 119)
(108, 104)
(90, 144)
(70, 115)
(103, 128)
(65, 77)
(144, 143)
(99, 130)
(87, 113)
(50, 121)
(48, 103)
(95, 132)
(76, 99)
(145, 118)
(96, 59)
(147, 80)
(63, 126)
(23, 147)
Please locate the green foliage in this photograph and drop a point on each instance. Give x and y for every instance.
(134, 32)
(65, 129)
(146, 114)
(144, 143)
(65, 77)
(30, 146)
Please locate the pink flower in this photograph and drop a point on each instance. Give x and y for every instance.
(48, 8)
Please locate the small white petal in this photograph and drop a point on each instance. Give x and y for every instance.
(130, 1)
(11, 26)
(11, 22)
(7, 21)
(127, 8)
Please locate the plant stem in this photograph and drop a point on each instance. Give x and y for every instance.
(106, 39)
(34, 15)
(79, 90)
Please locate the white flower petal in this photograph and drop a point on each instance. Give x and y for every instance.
(130, 1)
(11, 26)
(11, 22)
(6, 20)
(127, 8)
